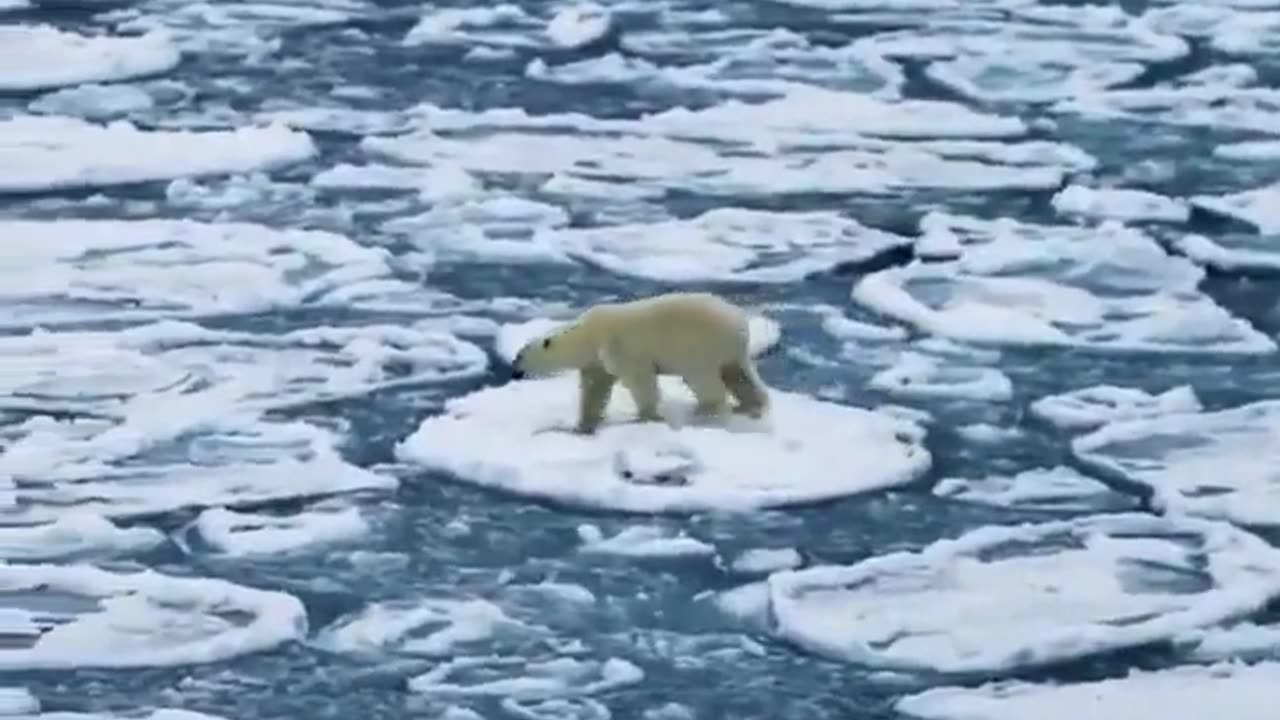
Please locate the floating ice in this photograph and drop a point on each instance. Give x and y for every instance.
(36, 57)
(575, 26)
(1245, 640)
(242, 534)
(501, 25)
(924, 376)
(726, 244)
(1049, 57)
(433, 184)
(1249, 150)
(738, 465)
(763, 334)
(1248, 34)
(642, 541)
(1124, 204)
(1001, 598)
(1058, 488)
(338, 119)
(761, 561)
(428, 627)
(516, 678)
(142, 619)
(1193, 692)
(17, 700)
(100, 372)
(57, 153)
(168, 452)
(1231, 253)
(74, 270)
(1108, 287)
(74, 534)
(94, 102)
(1254, 207)
(1215, 105)
(1087, 408)
(1218, 464)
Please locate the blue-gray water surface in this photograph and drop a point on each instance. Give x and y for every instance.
(646, 610)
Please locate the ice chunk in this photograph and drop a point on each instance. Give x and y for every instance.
(17, 700)
(924, 376)
(1219, 106)
(737, 464)
(99, 371)
(94, 102)
(1256, 207)
(1245, 640)
(36, 57)
(39, 153)
(142, 619)
(761, 561)
(1110, 288)
(1124, 204)
(430, 627)
(1001, 598)
(1087, 408)
(74, 534)
(75, 270)
(524, 679)
(338, 119)
(763, 334)
(170, 452)
(1234, 253)
(1192, 692)
(1216, 464)
(1058, 488)
(647, 541)
(241, 534)
(437, 184)
(575, 26)
(726, 244)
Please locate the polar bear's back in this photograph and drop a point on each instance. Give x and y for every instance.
(678, 330)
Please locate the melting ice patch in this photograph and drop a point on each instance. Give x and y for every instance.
(646, 541)
(735, 464)
(74, 270)
(43, 153)
(143, 619)
(1046, 57)
(1193, 692)
(523, 679)
(919, 375)
(1089, 407)
(1058, 488)
(73, 535)
(241, 534)
(999, 599)
(423, 628)
(1123, 204)
(1204, 101)
(1257, 207)
(1215, 464)
(1015, 283)
(37, 57)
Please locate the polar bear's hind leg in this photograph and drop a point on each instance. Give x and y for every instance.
(747, 388)
(710, 390)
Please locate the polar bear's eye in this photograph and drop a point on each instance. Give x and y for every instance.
(546, 343)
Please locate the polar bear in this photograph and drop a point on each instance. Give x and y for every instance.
(701, 337)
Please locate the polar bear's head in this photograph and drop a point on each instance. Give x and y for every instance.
(567, 348)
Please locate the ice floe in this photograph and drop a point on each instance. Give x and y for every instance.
(1257, 207)
(523, 679)
(731, 464)
(1044, 57)
(94, 102)
(72, 535)
(1089, 407)
(74, 270)
(1001, 599)
(1193, 692)
(241, 534)
(642, 541)
(1216, 464)
(102, 372)
(1109, 287)
(580, 24)
(1124, 204)
(1058, 488)
(761, 561)
(430, 627)
(139, 619)
(38, 57)
(169, 452)
(1241, 641)
(1203, 102)
(45, 153)
(920, 375)
(17, 701)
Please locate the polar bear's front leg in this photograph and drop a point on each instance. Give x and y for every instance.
(595, 385)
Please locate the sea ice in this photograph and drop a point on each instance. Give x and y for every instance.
(1257, 207)
(524, 679)
(1109, 287)
(761, 561)
(1058, 488)
(94, 102)
(645, 541)
(424, 627)
(920, 375)
(37, 57)
(142, 619)
(239, 534)
(1089, 407)
(1192, 692)
(578, 25)
(1241, 641)
(1124, 204)
(736, 464)
(1222, 107)
(1215, 464)
(73, 270)
(72, 535)
(43, 153)
(1003, 598)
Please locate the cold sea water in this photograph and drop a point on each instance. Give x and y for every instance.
(263, 266)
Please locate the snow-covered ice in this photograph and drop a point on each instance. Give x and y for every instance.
(580, 24)
(43, 153)
(1109, 287)
(94, 102)
(760, 561)
(920, 375)
(38, 57)
(139, 619)
(730, 464)
(521, 679)
(647, 541)
(74, 534)
(1192, 692)
(429, 627)
(1005, 598)
(1089, 407)
(1124, 204)
(17, 701)
(240, 534)
(1058, 488)
(1215, 464)
(1257, 208)
(1242, 641)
